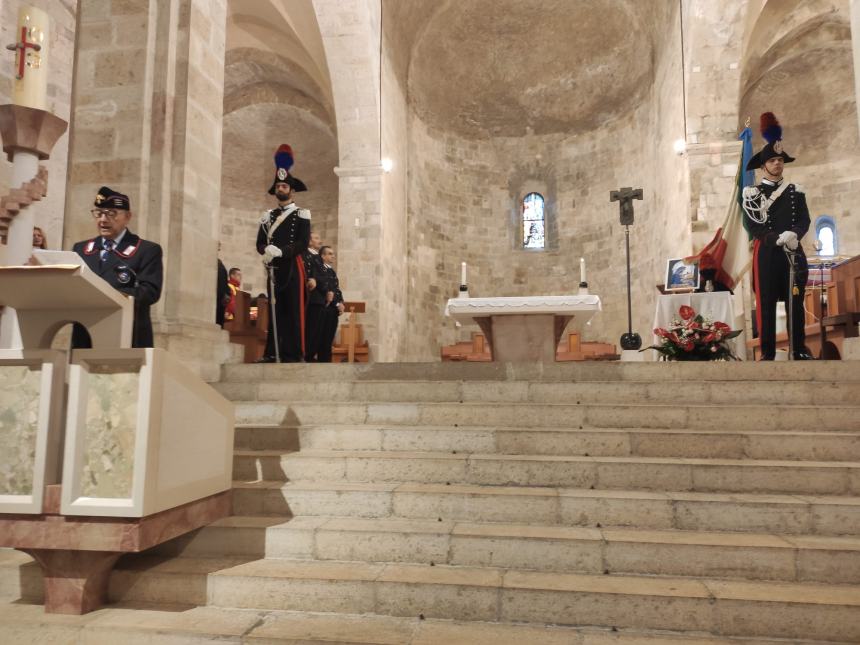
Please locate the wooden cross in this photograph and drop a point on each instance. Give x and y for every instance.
(21, 51)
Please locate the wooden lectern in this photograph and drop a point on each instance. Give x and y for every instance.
(45, 298)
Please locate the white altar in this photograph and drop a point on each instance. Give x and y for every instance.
(523, 328)
(716, 305)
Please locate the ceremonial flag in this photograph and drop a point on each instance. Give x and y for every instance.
(729, 251)
(738, 254)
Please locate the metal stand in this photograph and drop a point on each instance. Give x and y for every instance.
(630, 340)
(272, 302)
(625, 196)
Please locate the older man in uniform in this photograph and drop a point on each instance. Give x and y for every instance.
(125, 261)
(778, 218)
(282, 238)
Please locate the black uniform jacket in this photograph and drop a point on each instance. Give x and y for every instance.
(143, 281)
(291, 236)
(788, 213)
(326, 281)
(313, 265)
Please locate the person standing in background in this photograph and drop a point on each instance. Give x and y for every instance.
(329, 293)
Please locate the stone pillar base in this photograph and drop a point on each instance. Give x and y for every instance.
(75, 581)
(203, 348)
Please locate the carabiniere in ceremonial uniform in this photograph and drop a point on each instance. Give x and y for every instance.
(282, 237)
(778, 218)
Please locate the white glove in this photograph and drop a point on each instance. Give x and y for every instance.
(271, 252)
(791, 241)
(781, 239)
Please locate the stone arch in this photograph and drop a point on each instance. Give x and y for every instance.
(277, 90)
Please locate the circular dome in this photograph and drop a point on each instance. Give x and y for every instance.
(508, 67)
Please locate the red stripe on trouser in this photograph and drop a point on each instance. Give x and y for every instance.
(757, 288)
(302, 281)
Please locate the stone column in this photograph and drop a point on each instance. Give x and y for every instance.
(148, 99)
(371, 233)
(855, 44)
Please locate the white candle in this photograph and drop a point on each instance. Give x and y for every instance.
(582, 270)
(462, 273)
(32, 31)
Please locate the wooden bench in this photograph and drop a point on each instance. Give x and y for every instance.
(569, 349)
(249, 330)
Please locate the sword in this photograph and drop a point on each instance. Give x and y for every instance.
(272, 302)
(791, 257)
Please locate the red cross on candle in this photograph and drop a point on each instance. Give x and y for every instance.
(21, 49)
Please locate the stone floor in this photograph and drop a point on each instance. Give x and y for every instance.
(483, 503)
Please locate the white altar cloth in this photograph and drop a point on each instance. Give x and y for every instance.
(716, 306)
(463, 309)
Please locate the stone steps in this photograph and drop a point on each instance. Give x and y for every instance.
(726, 608)
(558, 549)
(791, 418)
(164, 624)
(636, 473)
(570, 372)
(738, 512)
(674, 503)
(606, 442)
(668, 392)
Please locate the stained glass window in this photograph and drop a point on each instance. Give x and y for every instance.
(825, 233)
(534, 222)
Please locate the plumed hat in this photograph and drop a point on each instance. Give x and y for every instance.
(107, 198)
(771, 130)
(283, 162)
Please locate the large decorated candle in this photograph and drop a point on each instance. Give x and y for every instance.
(31, 57)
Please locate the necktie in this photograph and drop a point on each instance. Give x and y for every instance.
(107, 247)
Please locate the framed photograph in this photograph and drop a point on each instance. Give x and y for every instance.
(681, 276)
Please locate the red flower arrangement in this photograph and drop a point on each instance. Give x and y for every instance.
(695, 338)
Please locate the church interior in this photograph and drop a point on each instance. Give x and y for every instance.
(448, 479)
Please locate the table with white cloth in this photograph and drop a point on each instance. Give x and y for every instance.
(717, 306)
(523, 328)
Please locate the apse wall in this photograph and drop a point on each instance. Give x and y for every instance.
(464, 198)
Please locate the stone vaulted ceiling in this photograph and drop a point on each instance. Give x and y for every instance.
(509, 67)
(276, 90)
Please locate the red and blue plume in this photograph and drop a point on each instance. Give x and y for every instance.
(284, 157)
(771, 130)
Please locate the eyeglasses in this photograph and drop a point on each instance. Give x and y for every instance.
(97, 213)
